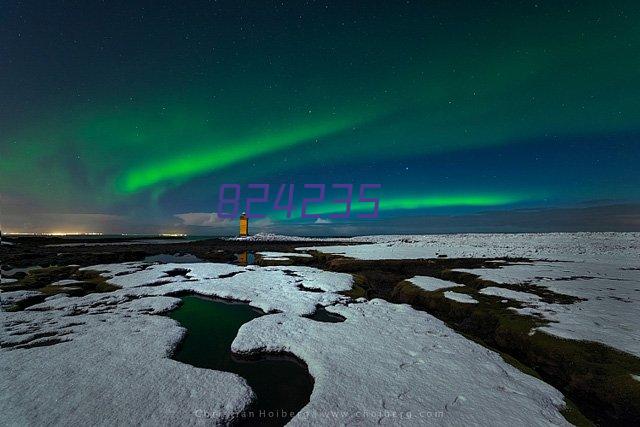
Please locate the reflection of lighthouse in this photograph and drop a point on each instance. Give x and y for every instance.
(244, 225)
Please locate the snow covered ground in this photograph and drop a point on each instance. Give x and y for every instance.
(389, 364)
(602, 268)
(609, 312)
(509, 294)
(268, 288)
(282, 256)
(109, 367)
(431, 284)
(621, 249)
(7, 299)
(104, 358)
(458, 297)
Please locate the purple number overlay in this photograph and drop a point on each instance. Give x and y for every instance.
(346, 201)
(230, 194)
(263, 199)
(363, 199)
(319, 199)
(222, 201)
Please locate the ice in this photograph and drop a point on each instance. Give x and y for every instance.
(458, 297)
(431, 283)
(390, 364)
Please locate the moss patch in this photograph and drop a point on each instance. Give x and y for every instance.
(596, 377)
(41, 280)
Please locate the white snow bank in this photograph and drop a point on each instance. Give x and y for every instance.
(609, 314)
(111, 367)
(613, 248)
(282, 256)
(458, 297)
(390, 364)
(509, 294)
(281, 288)
(431, 283)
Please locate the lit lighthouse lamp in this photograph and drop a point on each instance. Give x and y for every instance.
(244, 225)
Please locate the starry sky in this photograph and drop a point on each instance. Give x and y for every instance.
(127, 116)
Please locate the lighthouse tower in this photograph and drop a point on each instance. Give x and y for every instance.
(244, 225)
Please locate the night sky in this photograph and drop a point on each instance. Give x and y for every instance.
(128, 116)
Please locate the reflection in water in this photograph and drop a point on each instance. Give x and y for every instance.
(281, 383)
(245, 258)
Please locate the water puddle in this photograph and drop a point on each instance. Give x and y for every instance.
(281, 383)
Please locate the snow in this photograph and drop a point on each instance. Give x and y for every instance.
(270, 237)
(282, 256)
(636, 377)
(390, 364)
(66, 282)
(70, 355)
(613, 248)
(111, 366)
(603, 268)
(6, 243)
(458, 297)
(10, 298)
(7, 280)
(431, 283)
(268, 288)
(508, 293)
(609, 312)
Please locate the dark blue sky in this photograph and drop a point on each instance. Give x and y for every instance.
(118, 116)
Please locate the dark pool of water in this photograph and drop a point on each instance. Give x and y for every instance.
(282, 384)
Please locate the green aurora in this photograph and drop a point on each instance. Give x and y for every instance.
(391, 94)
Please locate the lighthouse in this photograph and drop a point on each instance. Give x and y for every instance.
(244, 225)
